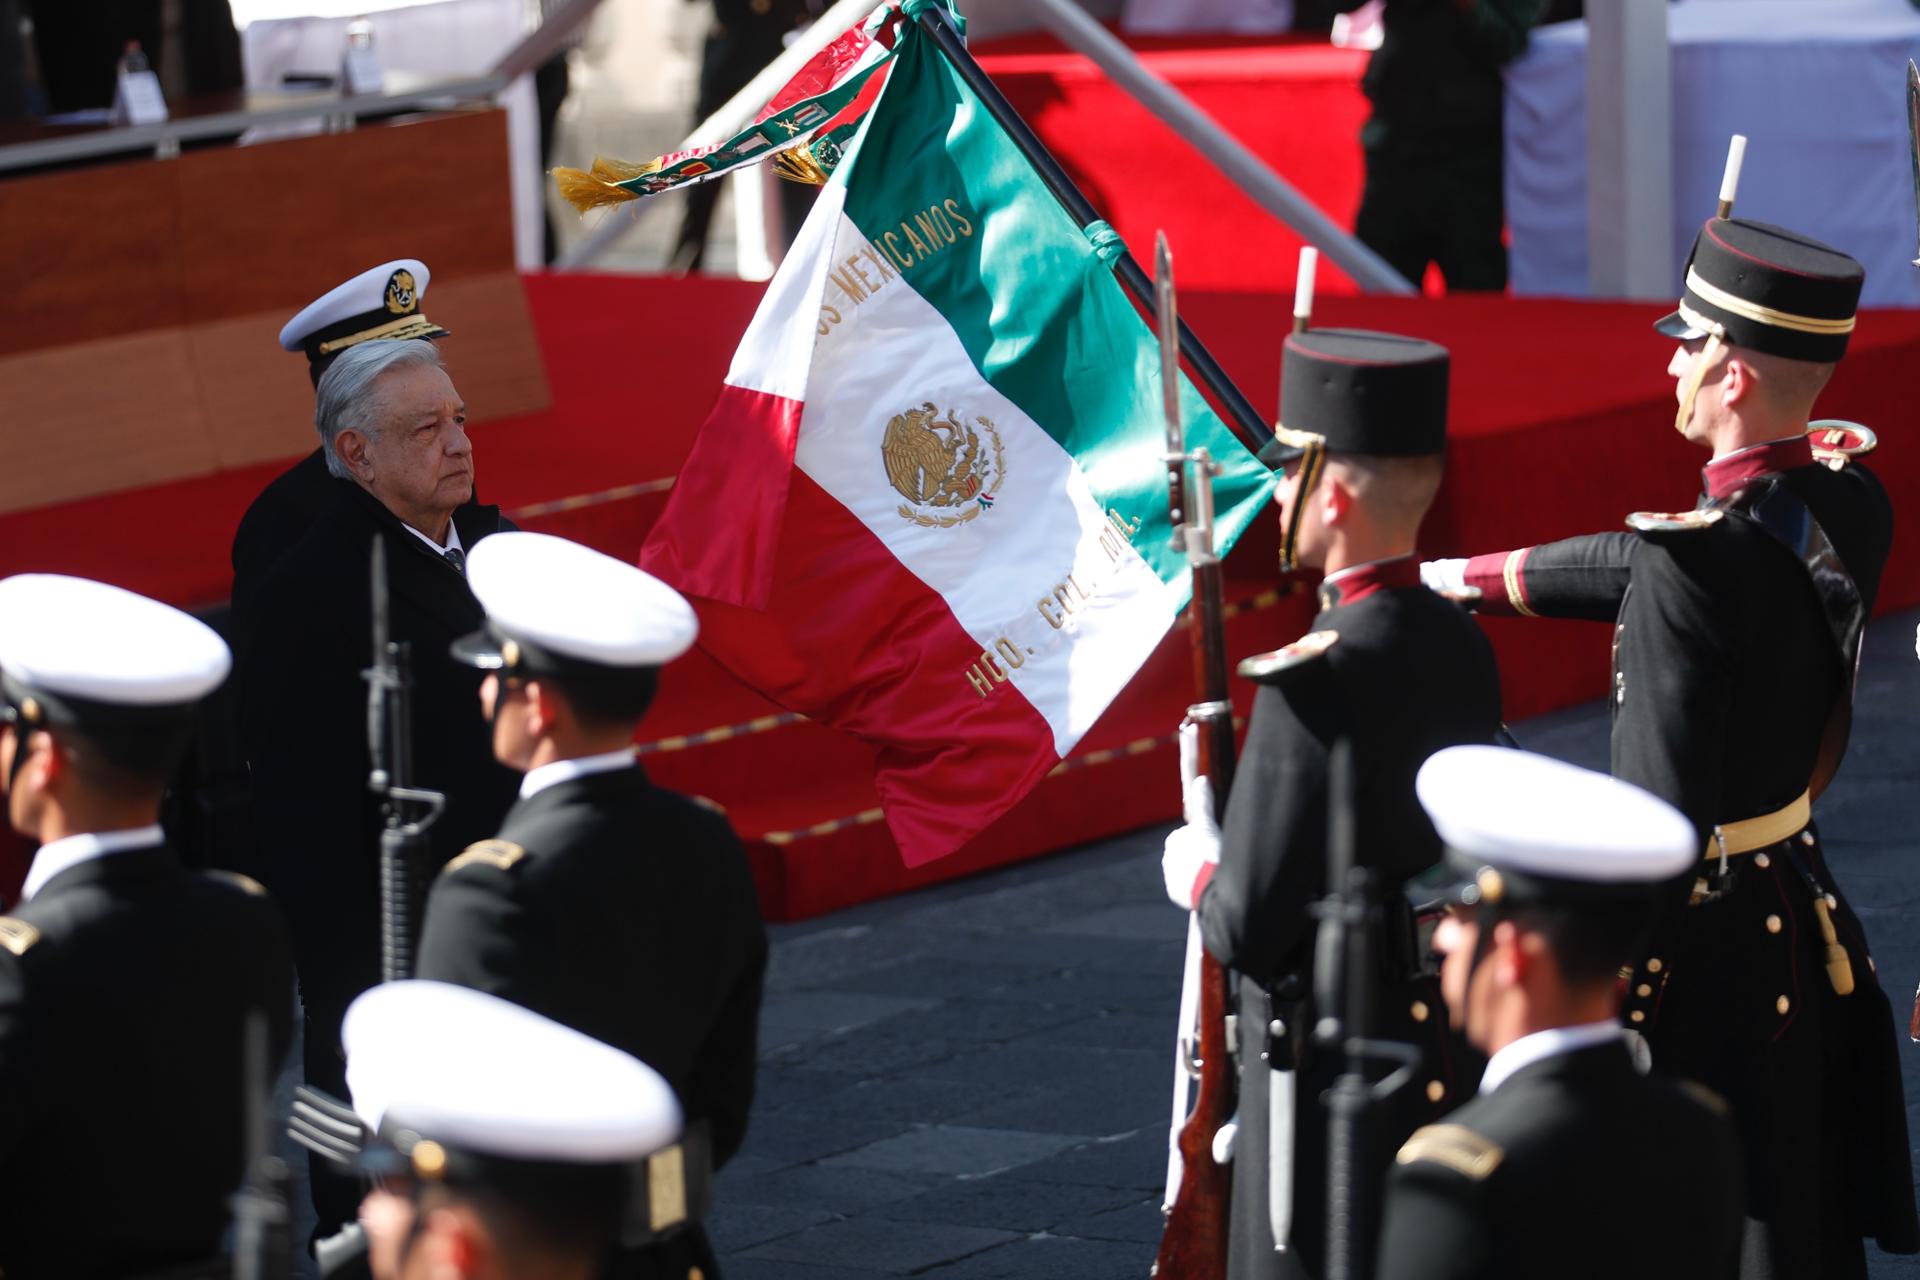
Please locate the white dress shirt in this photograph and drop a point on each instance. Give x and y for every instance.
(453, 539)
(71, 851)
(567, 770)
(1542, 1045)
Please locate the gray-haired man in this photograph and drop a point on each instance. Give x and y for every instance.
(393, 429)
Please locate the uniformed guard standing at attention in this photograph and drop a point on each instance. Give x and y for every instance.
(127, 983)
(1570, 1163)
(606, 903)
(506, 1145)
(1400, 673)
(380, 302)
(1737, 633)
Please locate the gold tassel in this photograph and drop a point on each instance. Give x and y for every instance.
(586, 191)
(608, 170)
(800, 165)
(1839, 967)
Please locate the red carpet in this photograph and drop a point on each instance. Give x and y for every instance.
(1560, 415)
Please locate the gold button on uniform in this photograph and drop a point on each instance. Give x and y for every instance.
(1783, 1004)
(1762, 861)
(1773, 924)
(1638, 1015)
(1420, 1011)
(1806, 838)
(1643, 990)
(1653, 966)
(1435, 1091)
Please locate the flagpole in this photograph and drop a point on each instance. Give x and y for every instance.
(1241, 417)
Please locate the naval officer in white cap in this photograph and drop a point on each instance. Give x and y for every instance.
(381, 302)
(606, 902)
(1570, 1162)
(126, 980)
(507, 1147)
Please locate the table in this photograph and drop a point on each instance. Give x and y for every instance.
(1818, 87)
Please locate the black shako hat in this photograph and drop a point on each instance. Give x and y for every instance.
(1767, 289)
(1358, 391)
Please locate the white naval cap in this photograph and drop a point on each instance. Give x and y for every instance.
(380, 302)
(555, 606)
(76, 651)
(1551, 829)
(475, 1075)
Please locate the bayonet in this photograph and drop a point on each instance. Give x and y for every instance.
(1167, 317)
(1913, 145)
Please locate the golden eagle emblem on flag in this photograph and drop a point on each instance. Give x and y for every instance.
(941, 467)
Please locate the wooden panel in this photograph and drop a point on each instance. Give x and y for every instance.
(88, 254)
(88, 419)
(274, 226)
(259, 401)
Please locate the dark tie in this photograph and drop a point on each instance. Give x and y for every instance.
(457, 558)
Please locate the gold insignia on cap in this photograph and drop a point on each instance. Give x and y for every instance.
(17, 935)
(429, 1159)
(495, 853)
(1456, 1147)
(1492, 887)
(402, 298)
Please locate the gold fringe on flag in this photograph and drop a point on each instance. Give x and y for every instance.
(584, 191)
(610, 170)
(800, 165)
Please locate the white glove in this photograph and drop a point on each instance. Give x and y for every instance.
(1916, 642)
(1194, 848)
(1444, 575)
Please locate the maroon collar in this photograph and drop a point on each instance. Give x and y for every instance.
(1351, 586)
(1729, 475)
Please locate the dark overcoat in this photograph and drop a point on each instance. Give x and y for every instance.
(1410, 674)
(126, 985)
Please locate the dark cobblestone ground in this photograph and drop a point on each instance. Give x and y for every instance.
(972, 1082)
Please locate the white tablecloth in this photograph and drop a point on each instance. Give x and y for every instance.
(1818, 87)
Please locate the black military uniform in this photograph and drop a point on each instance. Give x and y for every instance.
(1570, 1162)
(1737, 630)
(126, 981)
(303, 706)
(380, 302)
(607, 903)
(1408, 674)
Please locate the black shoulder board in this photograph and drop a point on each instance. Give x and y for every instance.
(1279, 666)
(238, 881)
(17, 935)
(1454, 1146)
(1704, 1096)
(495, 853)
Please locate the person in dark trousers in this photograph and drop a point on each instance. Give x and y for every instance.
(1433, 144)
(1736, 637)
(128, 983)
(1398, 673)
(1569, 1162)
(605, 902)
(396, 443)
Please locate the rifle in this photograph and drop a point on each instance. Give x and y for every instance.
(1194, 1243)
(262, 1219)
(1344, 982)
(390, 749)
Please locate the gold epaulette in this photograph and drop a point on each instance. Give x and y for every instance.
(1273, 668)
(495, 853)
(1456, 1147)
(17, 935)
(1837, 442)
(1662, 522)
(238, 881)
(1705, 1097)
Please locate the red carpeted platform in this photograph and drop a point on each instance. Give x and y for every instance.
(1294, 102)
(1561, 424)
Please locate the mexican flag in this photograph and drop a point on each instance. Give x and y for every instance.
(930, 505)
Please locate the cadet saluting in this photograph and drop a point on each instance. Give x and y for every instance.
(1554, 871)
(1737, 634)
(126, 981)
(1401, 674)
(606, 903)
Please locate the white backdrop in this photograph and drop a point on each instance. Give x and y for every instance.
(1818, 87)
